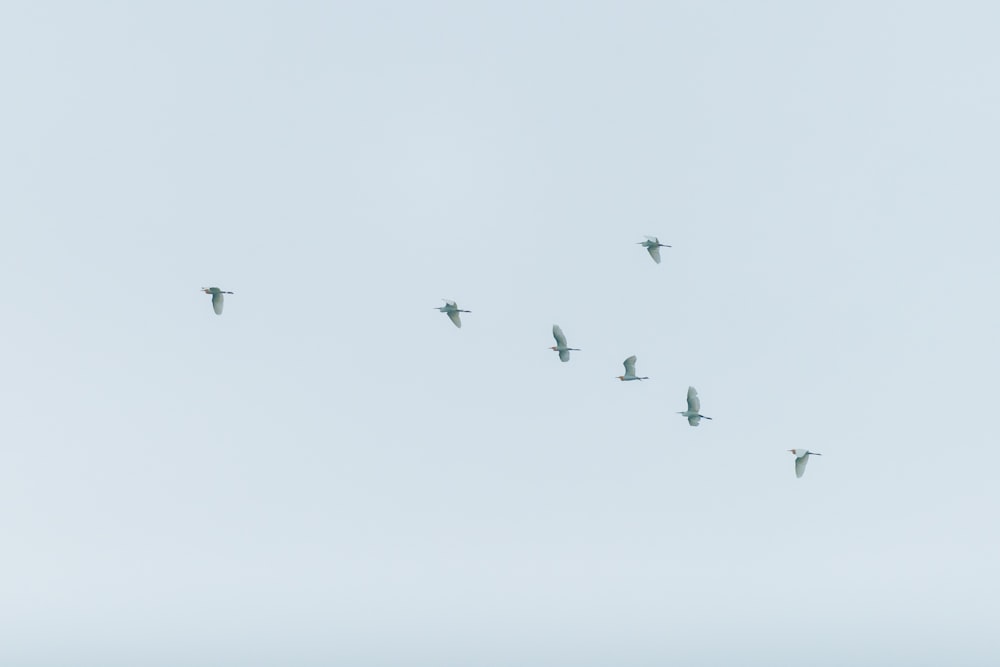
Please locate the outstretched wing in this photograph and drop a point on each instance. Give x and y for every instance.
(563, 355)
(455, 319)
(630, 365)
(217, 300)
(694, 403)
(557, 333)
(694, 420)
(654, 252)
(800, 465)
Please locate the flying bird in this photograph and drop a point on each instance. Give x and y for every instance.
(630, 371)
(560, 345)
(694, 407)
(653, 245)
(801, 459)
(452, 310)
(217, 298)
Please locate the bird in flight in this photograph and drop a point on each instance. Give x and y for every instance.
(694, 407)
(653, 245)
(630, 371)
(217, 298)
(801, 459)
(452, 310)
(560, 345)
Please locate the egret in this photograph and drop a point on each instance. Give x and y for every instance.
(801, 459)
(452, 310)
(217, 297)
(653, 245)
(694, 406)
(630, 371)
(560, 345)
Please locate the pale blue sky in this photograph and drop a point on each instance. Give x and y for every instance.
(331, 473)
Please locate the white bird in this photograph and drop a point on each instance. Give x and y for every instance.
(694, 407)
(801, 459)
(630, 371)
(217, 298)
(452, 310)
(653, 245)
(560, 345)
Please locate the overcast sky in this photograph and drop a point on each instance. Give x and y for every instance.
(330, 473)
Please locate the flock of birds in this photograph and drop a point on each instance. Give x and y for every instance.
(692, 414)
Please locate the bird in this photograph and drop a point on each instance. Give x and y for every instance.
(630, 371)
(560, 345)
(694, 407)
(217, 298)
(452, 310)
(801, 459)
(653, 245)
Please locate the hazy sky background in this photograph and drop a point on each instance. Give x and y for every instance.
(332, 474)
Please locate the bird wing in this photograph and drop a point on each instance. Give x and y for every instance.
(694, 403)
(630, 365)
(454, 317)
(652, 239)
(654, 252)
(800, 465)
(558, 335)
(563, 355)
(217, 299)
(694, 420)
(450, 304)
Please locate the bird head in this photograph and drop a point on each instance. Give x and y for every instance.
(620, 377)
